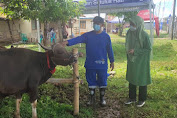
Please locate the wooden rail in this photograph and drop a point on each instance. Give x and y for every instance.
(62, 81)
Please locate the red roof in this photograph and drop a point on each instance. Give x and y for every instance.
(145, 15)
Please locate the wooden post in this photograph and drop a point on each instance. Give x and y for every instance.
(76, 82)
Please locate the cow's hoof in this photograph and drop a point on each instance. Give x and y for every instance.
(17, 115)
(34, 117)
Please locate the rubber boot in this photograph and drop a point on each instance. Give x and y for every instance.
(102, 100)
(91, 101)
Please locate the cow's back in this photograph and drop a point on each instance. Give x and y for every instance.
(17, 67)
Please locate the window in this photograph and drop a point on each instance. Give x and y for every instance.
(34, 24)
(83, 24)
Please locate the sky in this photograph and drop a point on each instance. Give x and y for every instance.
(167, 5)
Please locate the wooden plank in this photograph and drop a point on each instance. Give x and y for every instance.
(62, 81)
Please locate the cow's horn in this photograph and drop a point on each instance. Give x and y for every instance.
(44, 47)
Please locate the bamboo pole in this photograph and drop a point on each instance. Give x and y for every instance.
(76, 82)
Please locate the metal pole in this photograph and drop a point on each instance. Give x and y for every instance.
(106, 24)
(111, 27)
(159, 9)
(38, 34)
(153, 27)
(150, 21)
(174, 6)
(98, 7)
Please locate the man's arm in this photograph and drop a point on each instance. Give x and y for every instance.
(73, 41)
(110, 54)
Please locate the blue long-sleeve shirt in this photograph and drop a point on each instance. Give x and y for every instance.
(98, 46)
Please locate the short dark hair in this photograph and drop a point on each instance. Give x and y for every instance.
(98, 19)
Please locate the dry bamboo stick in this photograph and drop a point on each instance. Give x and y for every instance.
(76, 82)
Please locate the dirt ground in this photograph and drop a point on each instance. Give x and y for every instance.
(111, 110)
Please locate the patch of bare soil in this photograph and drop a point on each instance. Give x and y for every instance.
(112, 110)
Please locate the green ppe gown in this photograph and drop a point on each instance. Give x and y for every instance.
(138, 63)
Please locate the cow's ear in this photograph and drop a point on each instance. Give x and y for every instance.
(59, 61)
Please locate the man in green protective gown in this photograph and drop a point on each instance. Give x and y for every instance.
(138, 49)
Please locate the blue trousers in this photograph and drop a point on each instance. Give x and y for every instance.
(96, 78)
(53, 40)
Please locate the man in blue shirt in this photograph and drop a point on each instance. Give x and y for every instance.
(98, 47)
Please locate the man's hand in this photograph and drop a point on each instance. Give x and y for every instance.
(131, 51)
(64, 43)
(112, 66)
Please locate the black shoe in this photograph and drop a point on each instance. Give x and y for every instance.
(91, 97)
(140, 103)
(103, 103)
(130, 101)
(89, 103)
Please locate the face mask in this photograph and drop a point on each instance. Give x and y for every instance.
(96, 27)
(132, 28)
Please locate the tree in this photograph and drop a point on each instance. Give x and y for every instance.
(45, 10)
(8, 19)
(120, 28)
(127, 16)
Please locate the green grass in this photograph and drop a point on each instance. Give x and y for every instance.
(162, 94)
(56, 101)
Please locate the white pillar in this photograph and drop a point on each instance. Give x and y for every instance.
(80, 29)
(38, 34)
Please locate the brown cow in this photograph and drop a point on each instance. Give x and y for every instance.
(23, 70)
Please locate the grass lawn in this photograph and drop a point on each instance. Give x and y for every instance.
(162, 93)
(56, 101)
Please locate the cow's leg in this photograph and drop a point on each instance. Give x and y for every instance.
(1, 97)
(17, 113)
(34, 111)
(33, 100)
